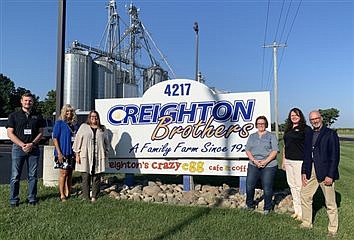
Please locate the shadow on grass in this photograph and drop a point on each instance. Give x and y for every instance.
(280, 182)
(178, 227)
(281, 187)
(44, 197)
(319, 201)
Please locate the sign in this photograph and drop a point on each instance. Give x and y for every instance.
(180, 167)
(181, 119)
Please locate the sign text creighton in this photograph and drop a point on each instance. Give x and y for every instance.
(182, 119)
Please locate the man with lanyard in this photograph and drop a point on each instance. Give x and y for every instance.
(25, 130)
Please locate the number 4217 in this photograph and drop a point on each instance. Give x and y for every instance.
(177, 89)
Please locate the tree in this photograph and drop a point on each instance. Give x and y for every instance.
(47, 107)
(282, 126)
(7, 90)
(329, 116)
(10, 97)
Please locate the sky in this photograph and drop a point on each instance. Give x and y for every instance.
(315, 69)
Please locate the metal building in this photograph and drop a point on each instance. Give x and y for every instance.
(105, 78)
(123, 75)
(153, 75)
(127, 90)
(78, 80)
(114, 72)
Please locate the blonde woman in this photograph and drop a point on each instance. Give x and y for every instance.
(63, 137)
(91, 147)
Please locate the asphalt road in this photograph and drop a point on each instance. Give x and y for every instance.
(346, 138)
(5, 164)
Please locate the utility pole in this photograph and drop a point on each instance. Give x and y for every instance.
(188, 182)
(196, 29)
(275, 46)
(60, 57)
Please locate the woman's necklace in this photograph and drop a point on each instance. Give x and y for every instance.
(71, 127)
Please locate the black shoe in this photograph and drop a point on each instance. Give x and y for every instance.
(248, 208)
(14, 205)
(32, 203)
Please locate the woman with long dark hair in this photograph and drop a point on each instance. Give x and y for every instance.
(293, 155)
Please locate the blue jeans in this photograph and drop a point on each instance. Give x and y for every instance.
(267, 178)
(19, 157)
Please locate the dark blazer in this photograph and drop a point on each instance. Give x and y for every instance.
(325, 155)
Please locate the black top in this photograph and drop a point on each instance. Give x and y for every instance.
(94, 130)
(26, 127)
(294, 141)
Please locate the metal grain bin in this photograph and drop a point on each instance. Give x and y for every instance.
(123, 75)
(127, 90)
(78, 81)
(105, 78)
(153, 75)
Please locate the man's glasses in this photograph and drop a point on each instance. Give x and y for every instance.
(314, 119)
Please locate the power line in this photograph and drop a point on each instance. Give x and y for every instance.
(287, 37)
(264, 40)
(267, 81)
(292, 24)
(281, 13)
(268, 86)
(286, 20)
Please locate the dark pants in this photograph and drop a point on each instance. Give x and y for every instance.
(267, 178)
(86, 182)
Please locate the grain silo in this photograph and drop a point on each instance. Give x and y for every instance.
(105, 78)
(153, 75)
(123, 75)
(78, 80)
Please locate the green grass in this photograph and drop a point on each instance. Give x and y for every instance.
(112, 219)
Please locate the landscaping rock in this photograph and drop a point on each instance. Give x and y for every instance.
(203, 195)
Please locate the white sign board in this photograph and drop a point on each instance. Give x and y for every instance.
(181, 119)
(180, 167)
